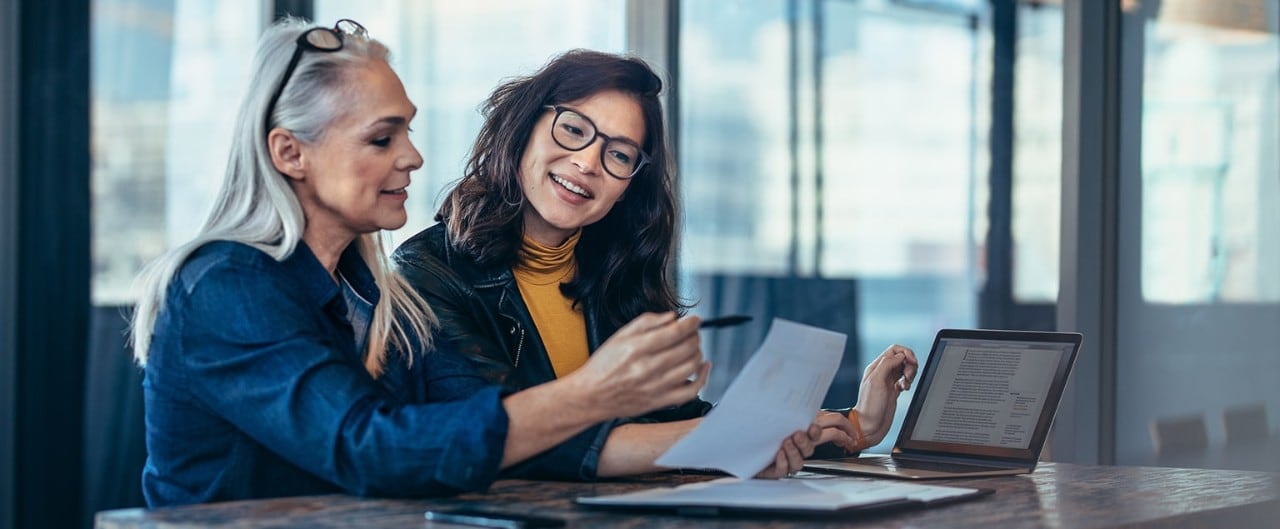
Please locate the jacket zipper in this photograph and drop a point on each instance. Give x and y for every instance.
(519, 347)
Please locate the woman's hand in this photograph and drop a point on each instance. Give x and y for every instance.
(795, 449)
(883, 381)
(652, 362)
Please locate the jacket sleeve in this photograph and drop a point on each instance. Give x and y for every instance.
(462, 322)
(256, 354)
(447, 376)
(689, 410)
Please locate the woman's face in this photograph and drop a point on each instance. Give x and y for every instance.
(567, 190)
(355, 175)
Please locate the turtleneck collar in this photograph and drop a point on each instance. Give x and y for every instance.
(551, 262)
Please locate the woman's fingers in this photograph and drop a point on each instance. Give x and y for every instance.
(644, 323)
(795, 448)
(837, 429)
(795, 460)
(780, 464)
(805, 440)
(648, 364)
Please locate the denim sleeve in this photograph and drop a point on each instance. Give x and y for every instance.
(257, 355)
(449, 376)
(576, 459)
(689, 410)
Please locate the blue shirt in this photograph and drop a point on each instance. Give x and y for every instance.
(255, 387)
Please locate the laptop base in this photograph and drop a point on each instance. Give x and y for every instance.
(886, 466)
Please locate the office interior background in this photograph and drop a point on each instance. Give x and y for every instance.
(884, 168)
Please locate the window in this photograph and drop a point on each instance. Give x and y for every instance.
(1209, 127)
(1037, 154)
(830, 161)
(1198, 235)
(163, 74)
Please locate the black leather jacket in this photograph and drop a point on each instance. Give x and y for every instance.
(482, 314)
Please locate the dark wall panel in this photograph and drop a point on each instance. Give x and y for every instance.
(8, 255)
(52, 260)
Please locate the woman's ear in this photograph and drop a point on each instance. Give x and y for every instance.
(286, 153)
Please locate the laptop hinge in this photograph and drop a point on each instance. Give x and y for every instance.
(962, 460)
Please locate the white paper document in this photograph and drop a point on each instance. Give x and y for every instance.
(777, 393)
(817, 494)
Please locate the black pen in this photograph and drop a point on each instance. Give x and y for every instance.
(725, 321)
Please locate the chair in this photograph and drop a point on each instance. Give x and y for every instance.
(1184, 434)
(1246, 423)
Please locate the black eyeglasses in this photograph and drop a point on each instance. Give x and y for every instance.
(621, 158)
(326, 40)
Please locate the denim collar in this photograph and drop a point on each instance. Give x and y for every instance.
(318, 285)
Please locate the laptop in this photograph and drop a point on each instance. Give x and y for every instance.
(982, 407)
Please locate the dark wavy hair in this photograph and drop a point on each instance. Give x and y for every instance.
(622, 259)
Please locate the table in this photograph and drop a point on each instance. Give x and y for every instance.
(1055, 495)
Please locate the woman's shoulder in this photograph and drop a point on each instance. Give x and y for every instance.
(431, 242)
(429, 256)
(242, 290)
(426, 259)
(425, 263)
(223, 255)
(233, 268)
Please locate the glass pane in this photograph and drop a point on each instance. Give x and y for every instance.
(162, 70)
(1209, 125)
(735, 126)
(451, 54)
(897, 83)
(1199, 246)
(805, 192)
(1037, 154)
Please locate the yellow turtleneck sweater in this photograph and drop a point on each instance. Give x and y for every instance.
(563, 329)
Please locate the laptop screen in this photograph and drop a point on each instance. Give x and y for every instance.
(989, 393)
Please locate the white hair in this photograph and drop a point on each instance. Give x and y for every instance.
(257, 207)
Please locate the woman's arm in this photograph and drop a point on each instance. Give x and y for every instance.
(245, 343)
(867, 423)
(644, 366)
(884, 379)
(632, 448)
(647, 359)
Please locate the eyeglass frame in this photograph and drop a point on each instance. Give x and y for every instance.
(560, 110)
(301, 44)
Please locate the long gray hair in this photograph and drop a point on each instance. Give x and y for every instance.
(257, 207)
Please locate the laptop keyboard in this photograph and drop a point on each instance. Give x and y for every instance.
(889, 462)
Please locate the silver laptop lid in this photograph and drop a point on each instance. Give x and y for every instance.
(988, 395)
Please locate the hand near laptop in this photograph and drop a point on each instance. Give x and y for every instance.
(884, 379)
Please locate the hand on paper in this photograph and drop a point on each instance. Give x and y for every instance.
(646, 365)
(883, 381)
(795, 448)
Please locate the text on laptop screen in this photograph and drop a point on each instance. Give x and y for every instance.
(988, 393)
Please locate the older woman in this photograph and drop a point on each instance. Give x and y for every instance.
(559, 236)
(265, 339)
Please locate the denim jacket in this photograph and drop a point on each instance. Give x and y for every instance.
(254, 387)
